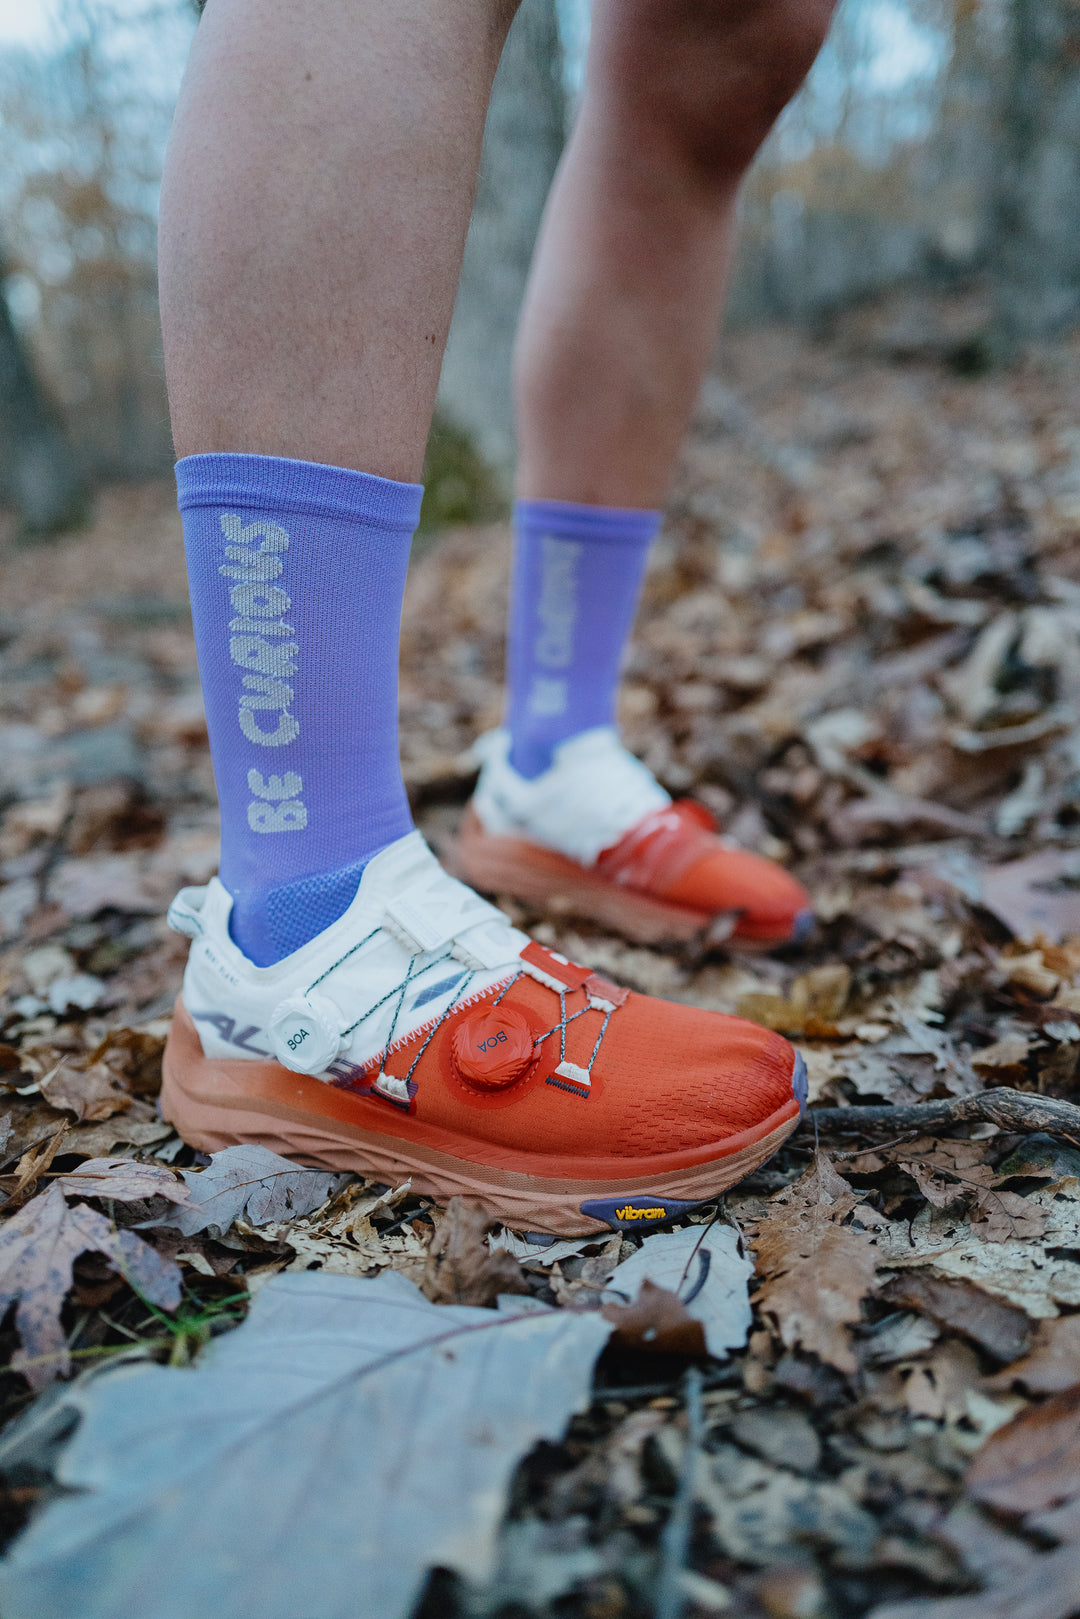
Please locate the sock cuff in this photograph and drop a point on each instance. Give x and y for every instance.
(619, 525)
(297, 486)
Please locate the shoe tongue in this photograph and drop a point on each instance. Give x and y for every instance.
(594, 792)
(393, 869)
(406, 889)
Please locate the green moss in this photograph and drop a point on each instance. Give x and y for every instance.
(459, 486)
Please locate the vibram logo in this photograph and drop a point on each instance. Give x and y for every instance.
(629, 1212)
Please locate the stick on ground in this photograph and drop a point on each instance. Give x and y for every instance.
(1022, 1111)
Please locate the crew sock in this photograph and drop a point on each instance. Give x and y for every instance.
(297, 574)
(577, 577)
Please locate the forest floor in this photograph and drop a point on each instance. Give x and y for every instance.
(859, 646)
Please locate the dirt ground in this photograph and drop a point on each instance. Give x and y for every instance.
(860, 647)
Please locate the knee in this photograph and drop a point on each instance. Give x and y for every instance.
(708, 78)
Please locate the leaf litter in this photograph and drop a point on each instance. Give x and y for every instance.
(252, 1183)
(870, 673)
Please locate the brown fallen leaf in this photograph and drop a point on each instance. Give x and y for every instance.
(948, 1171)
(1030, 896)
(461, 1268)
(83, 886)
(139, 1128)
(123, 1179)
(34, 1163)
(114, 815)
(1046, 1589)
(1028, 971)
(1009, 1052)
(90, 1093)
(1052, 1364)
(939, 1386)
(1001, 1216)
(816, 1271)
(865, 819)
(134, 1055)
(962, 1307)
(30, 1120)
(814, 1003)
(38, 1247)
(657, 1320)
(1033, 1462)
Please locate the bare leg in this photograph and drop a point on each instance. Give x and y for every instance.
(316, 198)
(626, 289)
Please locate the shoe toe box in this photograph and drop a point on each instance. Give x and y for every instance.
(678, 1078)
(771, 903)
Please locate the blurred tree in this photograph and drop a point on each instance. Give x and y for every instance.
(84, 135)
(39, 471)
(1036, 204)
(523, 140)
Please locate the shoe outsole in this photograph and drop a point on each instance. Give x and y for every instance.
(537, 876)
(222, 1102)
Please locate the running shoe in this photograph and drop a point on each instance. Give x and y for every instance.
(596, 835)
(422, 1036)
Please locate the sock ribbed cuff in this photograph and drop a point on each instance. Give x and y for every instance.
(621, 525)
(300, 487)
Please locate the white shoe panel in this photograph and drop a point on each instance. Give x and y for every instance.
(358, 986)
(594, 792)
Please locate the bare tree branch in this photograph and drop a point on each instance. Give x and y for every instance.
(1022, 1111)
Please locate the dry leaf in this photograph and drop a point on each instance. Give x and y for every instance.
(1053, 1363)
(138, 1128)
(1001, 1328)
(1008, 1052)
(1034, 1461)
(765, 1515)
(461, 1268)
(90, 1093)
(38, 1247)
(704, 1271)
(318, 1460)
(1045, 1590)
(531, 1254)
(1029, 972)
(1035, 1274)
(31, 1121)
(123, 1179)
(864, 820)
(949, 1171)
(135, 1054)
(657, 1320)
(815, 1271)
(811, 1008)
(82, 887)
(32, 1165)
(1035, 895)
(249, 1181)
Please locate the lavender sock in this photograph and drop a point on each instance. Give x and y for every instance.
(577, 578)
(297, 573)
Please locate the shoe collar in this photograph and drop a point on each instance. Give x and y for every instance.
(593, 792)
(404, 868)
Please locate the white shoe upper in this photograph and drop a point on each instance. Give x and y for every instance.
(592, 794)
(413, 943)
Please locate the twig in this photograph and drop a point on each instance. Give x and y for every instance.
(675, 1540)
(1021, 1111)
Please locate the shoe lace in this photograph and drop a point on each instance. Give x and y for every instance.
(462, 934)
(400, 1088)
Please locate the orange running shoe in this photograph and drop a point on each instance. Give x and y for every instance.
(598, 835)
(422, 1036)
